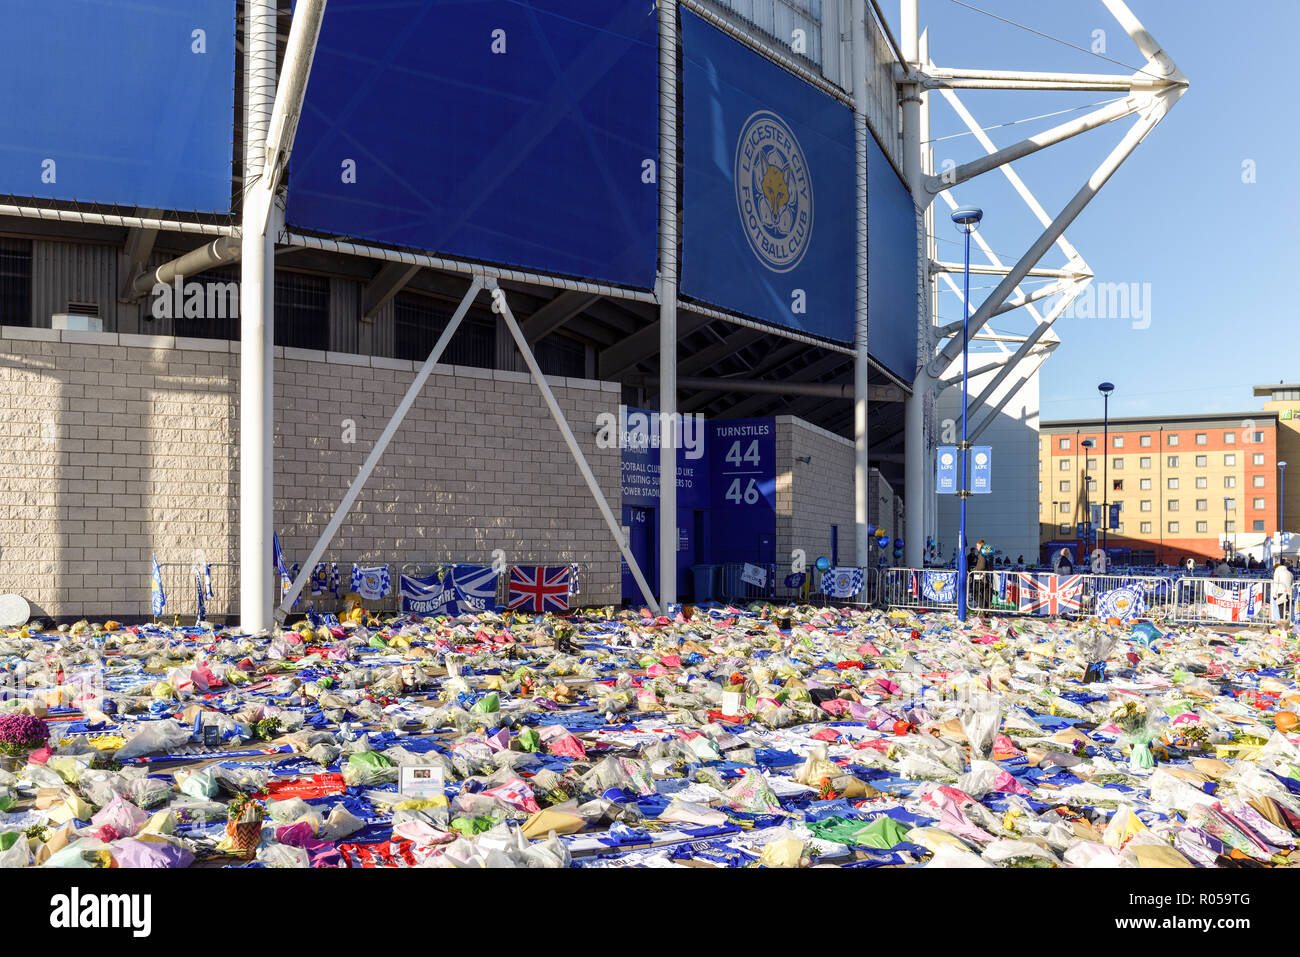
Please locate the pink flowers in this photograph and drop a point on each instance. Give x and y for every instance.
(21, 732)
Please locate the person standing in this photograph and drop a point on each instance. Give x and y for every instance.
(1062, 564)
(1283, 585)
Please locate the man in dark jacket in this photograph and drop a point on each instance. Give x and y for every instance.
(982, 590)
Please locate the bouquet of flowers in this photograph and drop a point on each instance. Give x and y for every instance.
(244, 824)
(1139, 730)
(21, 734)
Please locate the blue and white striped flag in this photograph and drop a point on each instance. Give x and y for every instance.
(1124, 603)
(336, 588)
(843, 582)
(156, 589)
(319, 579)
(371, 583)
(201, 607)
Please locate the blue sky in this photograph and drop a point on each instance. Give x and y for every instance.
(1176, 220)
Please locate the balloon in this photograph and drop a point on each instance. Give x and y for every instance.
(898, 542)
(823, 564)
(884, 541)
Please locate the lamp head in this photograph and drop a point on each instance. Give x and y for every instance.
(1281, 465)
(968, 218)
(1106, 388)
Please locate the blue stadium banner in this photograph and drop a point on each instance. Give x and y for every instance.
(892, 299)
(128, 104)
(946, 466)
(519, 132)
(768, 189)
(1114, 516)
(981, 470)
(742, 475)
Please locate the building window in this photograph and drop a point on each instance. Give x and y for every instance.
(1065, 443)
(1258, 525)
(1229, 438)
(1172, 440)
(15, 282)
(1171, 505)
(1230, 481)
(1229, 504)
(1256, 459)
(1065, 528)
(1173, 483)
(1202, 482)
(1230, 526)
(1202, 461)
(560, 355)
(1144, 462)
(1117, 463)
(1092, 463)
(1258, 504)
(1173, 527)
(1258, 481)
(1286, 395)
(302, 311)
(1146, 528)
(1119, 441)
(1092, 485)
(1065, 486)
(1202, 527)
(1202, 438)
(1202, 504)
(1145, 485)
(1172, 461)
(419, 321)
(1145, 441)
(1231, 460)
(1066, 465)
(1259, 437)
(1145, 505)
(1117, 485)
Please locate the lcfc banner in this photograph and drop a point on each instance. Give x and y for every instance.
(768, 189)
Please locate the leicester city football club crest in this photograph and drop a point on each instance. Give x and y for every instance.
(773, 191)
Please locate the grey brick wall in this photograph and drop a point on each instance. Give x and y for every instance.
(813, 496)
(114, 448)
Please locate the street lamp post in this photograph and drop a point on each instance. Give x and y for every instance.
(967, 220)
(1281, 500)
(1087, 445)
(1226, 500)
(1105, 389)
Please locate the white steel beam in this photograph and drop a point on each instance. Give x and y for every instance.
(257, 344)
(862, 361)
(1037, 359)
(501, 306)
(667, 287)
(358, 483)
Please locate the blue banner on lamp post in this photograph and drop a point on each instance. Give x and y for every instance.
(946, 462)
(981, 472)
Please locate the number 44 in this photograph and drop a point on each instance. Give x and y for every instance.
(751, 454)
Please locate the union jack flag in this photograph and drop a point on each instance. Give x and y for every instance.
(1050, 594)
(540, 589)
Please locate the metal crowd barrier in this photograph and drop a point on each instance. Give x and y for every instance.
(182, 592)
(425, 569)
(735, 589)
(917, 588)
(1038, 593)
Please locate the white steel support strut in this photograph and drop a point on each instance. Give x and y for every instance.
(667, 303)
(862, 360)
(270, 124)
(358, 483)
(501, 306)
(1149, 94)
(256, 344)
(915, 446)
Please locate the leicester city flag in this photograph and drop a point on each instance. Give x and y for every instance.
(843, 582)
(770, 183)
(939, 586)
(1125, 603)
(156, 587)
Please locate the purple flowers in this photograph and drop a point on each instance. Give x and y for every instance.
(21, 732)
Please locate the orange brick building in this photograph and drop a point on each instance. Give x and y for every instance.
(1185, 485)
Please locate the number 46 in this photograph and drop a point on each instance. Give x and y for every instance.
(750, 495)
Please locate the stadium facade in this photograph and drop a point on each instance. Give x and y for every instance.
(213, 326)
